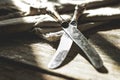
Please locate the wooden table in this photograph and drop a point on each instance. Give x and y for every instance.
(25, 57)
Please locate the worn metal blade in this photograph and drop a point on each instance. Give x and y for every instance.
(83, 43)
(62, 51)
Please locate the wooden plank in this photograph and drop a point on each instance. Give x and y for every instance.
(31, 50)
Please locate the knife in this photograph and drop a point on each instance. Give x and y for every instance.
(75, 35)
(65, 44)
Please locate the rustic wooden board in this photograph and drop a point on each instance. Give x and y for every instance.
(31, 50)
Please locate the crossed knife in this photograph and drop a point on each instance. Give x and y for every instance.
(72, 34)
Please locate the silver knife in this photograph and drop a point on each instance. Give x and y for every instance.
(62, 51)
(64, 45)
(81, 41)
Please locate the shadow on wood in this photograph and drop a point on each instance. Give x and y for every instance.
(23, 65)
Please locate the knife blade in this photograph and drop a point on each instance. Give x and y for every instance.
(62, 51)
(83, 43)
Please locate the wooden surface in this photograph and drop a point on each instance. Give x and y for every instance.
(25, 57)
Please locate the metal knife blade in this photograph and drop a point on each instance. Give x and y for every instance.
(62, 51)
(83, 43)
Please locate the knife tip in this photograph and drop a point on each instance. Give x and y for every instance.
(52, 66)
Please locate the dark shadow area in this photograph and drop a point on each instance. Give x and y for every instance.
(22, 65)
(19, 40)
(90, 5)
(102, 3)
(17, 48)
(7, 10)
(98, 16)
(107, 26)
(110, 49)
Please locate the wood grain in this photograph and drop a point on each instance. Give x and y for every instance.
(25, 56)
(31, 50)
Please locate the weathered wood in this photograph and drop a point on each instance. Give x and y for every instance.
(52, 32)
(91, 4)
(49, 29)
(25, 57)
(102, 14)
(29, 21)
(33, 51)
(25, 6)
(26, 23)
(89, 15)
